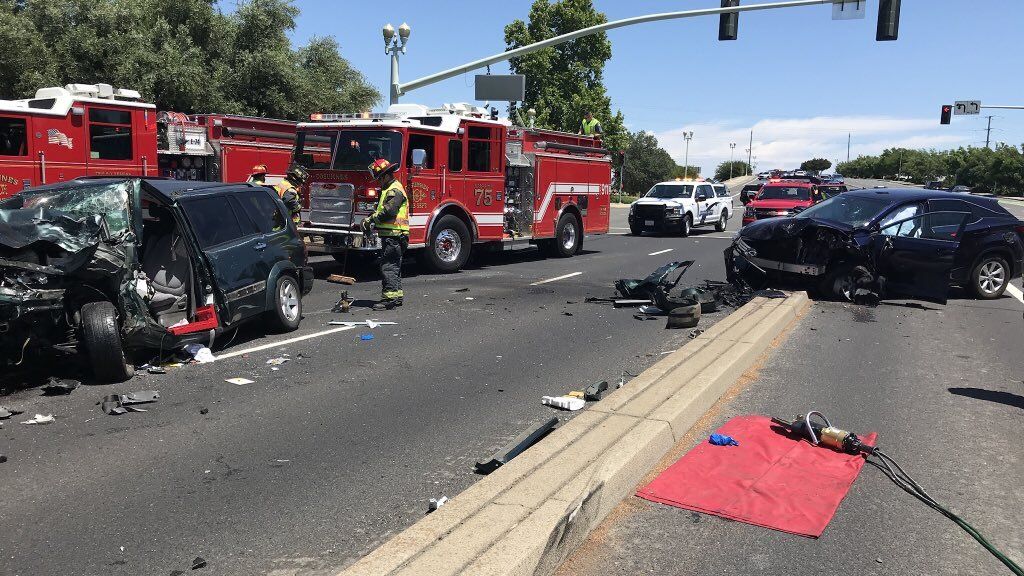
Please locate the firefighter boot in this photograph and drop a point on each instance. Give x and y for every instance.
(388, 304)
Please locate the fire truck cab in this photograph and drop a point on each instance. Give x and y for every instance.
(73, 131)
(78, 130)
(471, 179)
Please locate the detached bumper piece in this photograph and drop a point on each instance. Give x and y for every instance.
(516, 447)
(117, 404)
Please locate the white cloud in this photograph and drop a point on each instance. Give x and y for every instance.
(786, 142)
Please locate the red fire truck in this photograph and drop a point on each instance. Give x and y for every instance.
(472, 179)
(95, 130)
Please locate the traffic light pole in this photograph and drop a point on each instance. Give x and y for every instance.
(401, 89)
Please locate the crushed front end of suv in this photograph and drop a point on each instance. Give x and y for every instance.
(110, 267)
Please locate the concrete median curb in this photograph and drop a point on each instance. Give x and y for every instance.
(527, 516)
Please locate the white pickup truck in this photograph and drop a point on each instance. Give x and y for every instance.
(677, 206)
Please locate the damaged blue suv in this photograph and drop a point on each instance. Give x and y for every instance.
(111, 267)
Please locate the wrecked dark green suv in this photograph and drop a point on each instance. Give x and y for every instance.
(112, 267)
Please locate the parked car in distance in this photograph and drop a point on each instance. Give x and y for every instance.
(110, 267)
(899, 241)
(748, 192)
(677, 206)
(935, 185)
(961, 189)
(830, 189)
(781, 198)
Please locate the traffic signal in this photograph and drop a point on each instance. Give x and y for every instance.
(947, 111)
(728, 23)
(888, 20)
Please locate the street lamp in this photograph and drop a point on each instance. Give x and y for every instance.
(732, 152)
(395, 46)
(686, 159)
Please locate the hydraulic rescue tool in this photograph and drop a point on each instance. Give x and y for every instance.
(824, 434)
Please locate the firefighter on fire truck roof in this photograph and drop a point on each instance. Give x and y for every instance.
(258, 175)
(590, 125)
(391, 218)
(288, 190)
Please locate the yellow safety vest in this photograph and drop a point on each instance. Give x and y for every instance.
(282, 188)
(400, 225)
(589, 126)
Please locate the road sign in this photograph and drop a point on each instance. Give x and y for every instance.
(849, 9)
(501, 87)
(962, 107)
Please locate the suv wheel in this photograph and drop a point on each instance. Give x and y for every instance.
(635, 230)
(687, 223)
(723, 221)
(102, 340)
(449, 245)
(287, 311)
(990, 277)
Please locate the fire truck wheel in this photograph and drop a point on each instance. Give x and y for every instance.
(449, 245)
(101, 338)
(568, 236)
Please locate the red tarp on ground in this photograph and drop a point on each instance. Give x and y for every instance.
(771, 479)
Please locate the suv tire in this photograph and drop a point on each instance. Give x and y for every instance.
(568, 238)
(989, 277)
(101, 338)
(635, 230)
(287, 311)
(449, 246)
(686, 225)
(723, 221)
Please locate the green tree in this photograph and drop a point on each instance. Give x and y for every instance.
(735, 168)
(566, 81)
(647, 163)
(816, 165)
(692, 172)
(186, 55)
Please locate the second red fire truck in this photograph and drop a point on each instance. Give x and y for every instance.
(472, 180)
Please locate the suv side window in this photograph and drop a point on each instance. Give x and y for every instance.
(213, 220)
(953, 205)
(706, 190)
(262, 209)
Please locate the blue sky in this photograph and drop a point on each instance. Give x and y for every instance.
(799, 79)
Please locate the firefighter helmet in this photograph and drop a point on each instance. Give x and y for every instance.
(259, 169)
(381, 166)
(297, 173)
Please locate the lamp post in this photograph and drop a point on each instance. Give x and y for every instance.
(686, 159)
(732, 153)
(395, 46)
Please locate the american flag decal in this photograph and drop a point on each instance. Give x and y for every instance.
(54, 136)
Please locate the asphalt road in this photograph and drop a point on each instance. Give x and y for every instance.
(941, 385)
(315, 464)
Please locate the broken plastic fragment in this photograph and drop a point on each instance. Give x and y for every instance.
(595, 392)
(117, 404)
(366, 336)
(651, 310)
(277, 361)
(58, 387)
(239, 381)
(723, 440)
(436, 503)
(564, 402)
(516, 446)
(198, 563)
(41, 419)
(7, 412)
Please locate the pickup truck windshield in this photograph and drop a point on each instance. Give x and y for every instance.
(784, 193)
(670, 191)
(350, 149)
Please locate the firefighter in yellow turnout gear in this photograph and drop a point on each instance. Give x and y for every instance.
(288, 190)
(391, 219)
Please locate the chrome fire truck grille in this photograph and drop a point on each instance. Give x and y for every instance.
(330, 204)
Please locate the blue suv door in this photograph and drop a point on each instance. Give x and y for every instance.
(233, 247)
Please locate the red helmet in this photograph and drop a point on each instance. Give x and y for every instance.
(259, 169)
(381, 166)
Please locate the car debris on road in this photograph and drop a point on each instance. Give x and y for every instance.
(117, 404)
(516, 446)
(41, 419)
(59, 387)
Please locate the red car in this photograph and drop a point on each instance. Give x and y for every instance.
(782, 198)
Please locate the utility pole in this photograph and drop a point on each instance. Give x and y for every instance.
(750, 153)
(732, 152)
(849, 136)
(686, 159)
(988, 131)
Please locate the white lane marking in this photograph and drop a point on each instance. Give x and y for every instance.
(283, 342)
(563, 277)
(660, 252)
(1015, 292)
